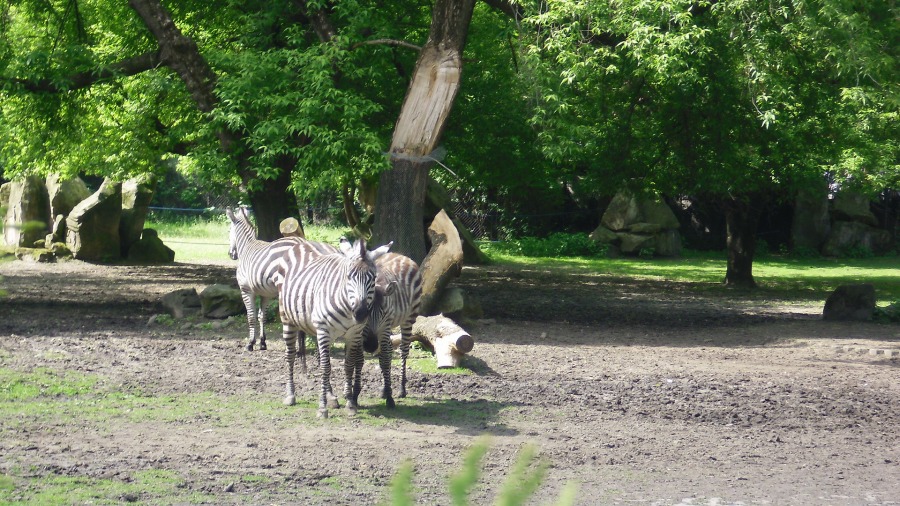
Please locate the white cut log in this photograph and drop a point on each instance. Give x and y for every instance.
(443, 337)
(291, 227)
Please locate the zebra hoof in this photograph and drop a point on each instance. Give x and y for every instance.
(351, 410)
(250, 347)
(322, 413)
(390, 403)
(402, 394)
(290, 400)
(262, 346)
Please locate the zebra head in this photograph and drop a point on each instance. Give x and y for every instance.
(377, 322)
(361, 276)
(239, 231)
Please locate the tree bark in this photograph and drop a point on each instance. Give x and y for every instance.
(423, 116)
(741, 220)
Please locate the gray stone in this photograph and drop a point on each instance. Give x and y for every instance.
(136, 196)
(604, 235)
(634, 243)
(27, 212)
(850, 303)
(645, 228)
(658, 212)
(846, 235)
(149, 249)
(850, 206)
(221, 301)
(622, 211)
(92, 228)
(65, 194)
(812, 221)
(668, 243)
(41, 255)
(181, 303)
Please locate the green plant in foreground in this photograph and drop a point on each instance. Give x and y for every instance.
(524, 479)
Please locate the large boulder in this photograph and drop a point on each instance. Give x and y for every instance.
(846, 236)
(634, 225)
(136, 196)
(92, 228)
(850, 206)
(221, 301)
(811, 223)
(851, 303)
(149, 249)
(181, 303)
(65, 194)
(27, 212)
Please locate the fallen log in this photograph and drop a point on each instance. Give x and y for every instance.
(291, 227)
(441, 336)
(443, 262)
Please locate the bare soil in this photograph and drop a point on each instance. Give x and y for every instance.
(641, 392)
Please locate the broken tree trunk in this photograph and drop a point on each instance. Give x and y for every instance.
(443, 263)
(443, 337)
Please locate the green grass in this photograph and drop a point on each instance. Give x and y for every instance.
(203, 239)
(775, 275)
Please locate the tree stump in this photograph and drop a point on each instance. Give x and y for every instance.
(291, 227)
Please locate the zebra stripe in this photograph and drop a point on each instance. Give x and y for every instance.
(257, 269)
(398, 294)
(328, 296)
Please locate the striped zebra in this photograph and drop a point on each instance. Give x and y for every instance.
(398, 293)
(257, 268)
(328, 296)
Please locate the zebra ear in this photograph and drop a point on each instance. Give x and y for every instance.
(230, 214)
(379, 251)
(346, 245)
(390, 289)
(244, 212)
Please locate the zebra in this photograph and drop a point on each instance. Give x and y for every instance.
(398, 293)
(257, 268)
(329, 296)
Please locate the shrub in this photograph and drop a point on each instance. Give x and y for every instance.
(558, 244)
(888, 314)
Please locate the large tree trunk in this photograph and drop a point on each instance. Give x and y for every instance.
(429, 99)
(741, 219)
(180, 53)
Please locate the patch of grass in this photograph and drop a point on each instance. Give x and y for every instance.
(151, 486)
(779, 276)
(204, 238)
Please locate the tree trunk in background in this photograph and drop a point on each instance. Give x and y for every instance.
(180, 53)
(741, 220)
(429, 99)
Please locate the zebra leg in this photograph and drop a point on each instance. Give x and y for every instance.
(406, 337)
(301, 350)
(289, 334)
(263, 302)
(324, 341)
(252, 321)
(384, 360)
(352, 384)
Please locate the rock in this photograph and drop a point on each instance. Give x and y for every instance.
(658, 212)
(604, 235)
(848, 235)
(221, 301)
(645, 228)
(41, 255)
(621, 213)
(850, 303)
(634, 243)
(850, 206)
(811, 222)
(136, 196)
(65, 194)
(149, 249)
(27, 212)
(668, 243)
(58, 229)
(181, 303)
(92, 228)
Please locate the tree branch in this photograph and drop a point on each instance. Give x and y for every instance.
(128, 67)
(387, 42)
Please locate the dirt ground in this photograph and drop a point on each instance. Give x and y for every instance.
(641, 393)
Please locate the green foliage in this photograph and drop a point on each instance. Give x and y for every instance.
(888, 314)
(524, 479)
(556, 245)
